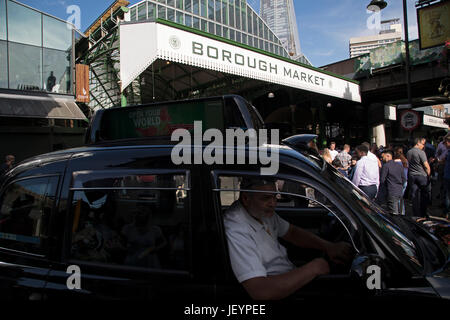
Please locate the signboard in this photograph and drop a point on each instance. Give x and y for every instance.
(434, 122)
(390, 113)
(434, 24)
(160, 119)
(174, 44)
(409, 120)
(82, 83)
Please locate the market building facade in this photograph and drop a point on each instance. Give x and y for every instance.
(170, 50)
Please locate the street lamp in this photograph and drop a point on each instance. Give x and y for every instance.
(377, 5)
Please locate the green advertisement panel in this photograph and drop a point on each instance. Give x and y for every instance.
(161, 119)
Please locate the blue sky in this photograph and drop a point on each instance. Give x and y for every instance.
(325, 26)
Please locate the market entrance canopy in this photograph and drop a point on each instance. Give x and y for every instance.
(141, 44)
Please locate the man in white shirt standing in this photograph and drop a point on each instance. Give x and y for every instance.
(333, 150)
(366, 175)
(259, 262)
(371, 155)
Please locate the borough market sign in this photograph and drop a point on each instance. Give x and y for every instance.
(177, 45)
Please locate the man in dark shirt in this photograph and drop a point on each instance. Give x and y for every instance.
(418, 178)
(392, 178)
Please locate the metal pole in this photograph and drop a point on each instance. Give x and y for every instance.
(408, 74)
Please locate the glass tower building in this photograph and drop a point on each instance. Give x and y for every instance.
(35, 50)
(231, 19)
(280, 17)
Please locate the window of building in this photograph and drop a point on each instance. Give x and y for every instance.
(196, 7)
(261, 44)
(24, 24)
(204, 8)
(171, 3)
(226, 33)
(3, 64)
(196, 23)
(225, 12)
(56, 71)
(244, 38)
(237, 15)
(231, 11)
(211, 9)
(244, 15)
(249, 22)
(142, 11)
(188, 20)
(255, 24)
(26, 206)
(204, 25)
(162, 12)
(218, 5)
(170, 14)
(151, 11)
(179, 4)
(133, 14)
(188, 5)
(56, 35)
(260, 28)
(180, 17)
(2, 20)
(232, 35)
(131, 220)
(25, 67)
(238, 36)
(218, 30)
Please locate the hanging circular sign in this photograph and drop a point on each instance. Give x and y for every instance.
(409, 120)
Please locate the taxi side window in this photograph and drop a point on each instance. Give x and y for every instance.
(25, 211)
(133, 220)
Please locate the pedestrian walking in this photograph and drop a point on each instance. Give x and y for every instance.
(447, 178)
(344, 157)
(399, 158)
(419, 178)
(366, 175)
(440, 156)
(392, 179)
(333, 151)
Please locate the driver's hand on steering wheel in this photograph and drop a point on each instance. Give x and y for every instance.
(339, 253)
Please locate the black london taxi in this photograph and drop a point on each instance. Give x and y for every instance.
(118, 219)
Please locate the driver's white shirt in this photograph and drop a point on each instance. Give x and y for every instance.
(253, 251)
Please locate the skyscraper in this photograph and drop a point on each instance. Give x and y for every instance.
(280, 17)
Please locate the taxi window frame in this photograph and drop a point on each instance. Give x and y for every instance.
(355, 235)
(47, 247)
(188, 271)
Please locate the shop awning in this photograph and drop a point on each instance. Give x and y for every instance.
(16, 105)
(141, 44)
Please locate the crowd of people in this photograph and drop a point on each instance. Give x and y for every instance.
(389, 175)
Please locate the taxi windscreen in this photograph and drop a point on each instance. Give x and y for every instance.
(157, 120)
